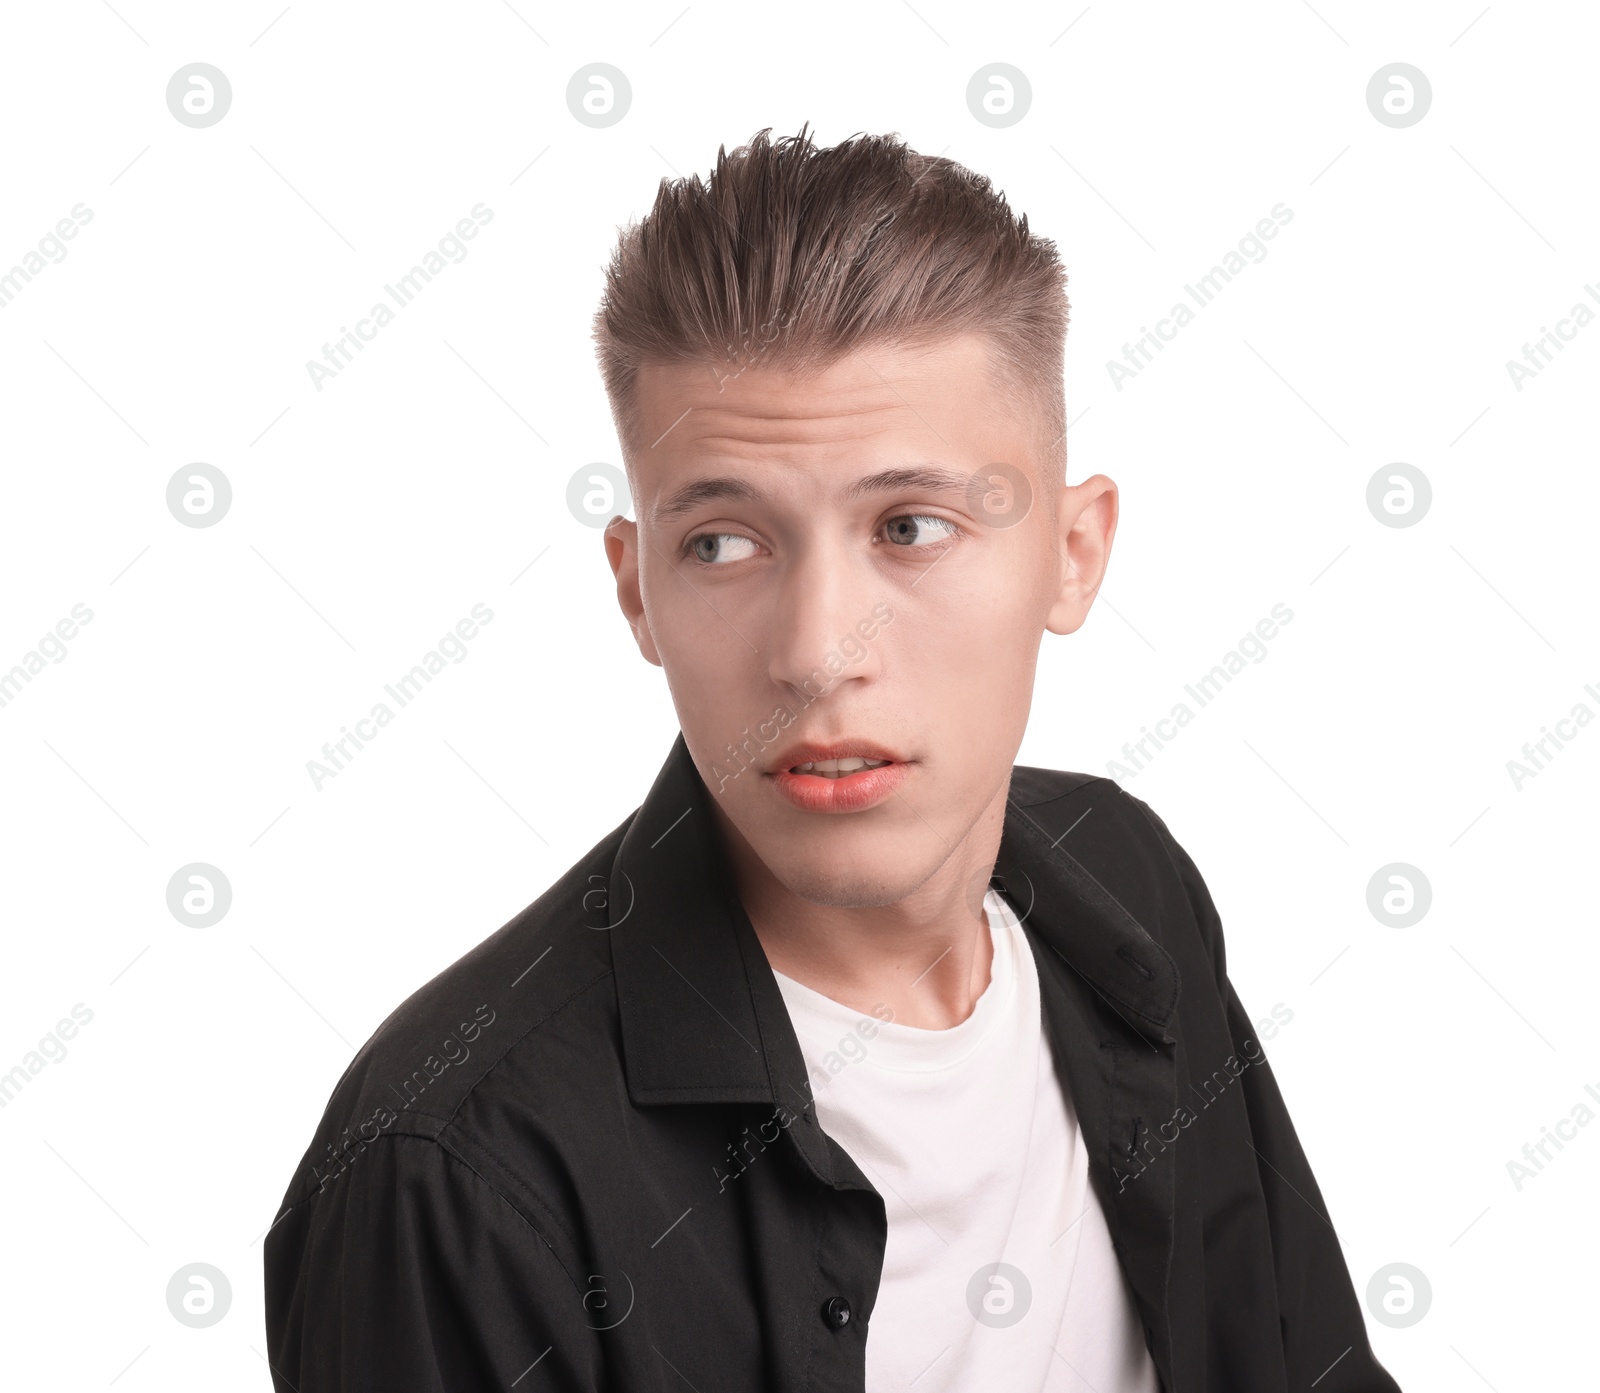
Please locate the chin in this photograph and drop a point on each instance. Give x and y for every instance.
(856, 882)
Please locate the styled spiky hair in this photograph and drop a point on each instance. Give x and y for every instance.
(794, 256)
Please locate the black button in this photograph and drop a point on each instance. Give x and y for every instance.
(836, 1312)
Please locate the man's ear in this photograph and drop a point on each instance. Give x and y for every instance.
(1086, 521)
(622, 551)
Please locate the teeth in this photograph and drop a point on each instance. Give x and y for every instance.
(838, 768)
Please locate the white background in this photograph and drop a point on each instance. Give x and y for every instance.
(430, 475)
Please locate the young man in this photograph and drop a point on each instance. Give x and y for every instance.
(856, 1057)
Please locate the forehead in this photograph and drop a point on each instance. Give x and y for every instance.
(878, 402)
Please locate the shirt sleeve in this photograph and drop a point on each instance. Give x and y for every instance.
(410, 1273)
(1324, 1331)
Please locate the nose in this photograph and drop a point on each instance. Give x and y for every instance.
(812, 643)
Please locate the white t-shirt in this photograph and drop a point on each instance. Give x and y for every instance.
(970, 1138)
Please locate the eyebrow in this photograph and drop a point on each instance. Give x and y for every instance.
(926, 478)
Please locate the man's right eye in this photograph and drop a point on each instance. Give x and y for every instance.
(718, 548)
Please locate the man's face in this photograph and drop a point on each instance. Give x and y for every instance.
(858, 562)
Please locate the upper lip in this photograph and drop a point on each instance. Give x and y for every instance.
(809, 752)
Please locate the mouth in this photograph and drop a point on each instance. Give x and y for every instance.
(844, 776)
(838, 768)
(837, 759)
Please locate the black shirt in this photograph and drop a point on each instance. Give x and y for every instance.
(584, 1156)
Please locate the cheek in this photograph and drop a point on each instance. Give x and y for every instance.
(702, 694)
(987, 621)
(717, 685)
(689, 636)
(974, 659)
(967, 669)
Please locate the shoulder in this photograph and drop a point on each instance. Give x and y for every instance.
(1094, 817)
(1126, 847)
(540, 985)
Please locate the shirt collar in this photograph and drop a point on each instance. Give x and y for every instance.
(1074, 915)
(702, 1017)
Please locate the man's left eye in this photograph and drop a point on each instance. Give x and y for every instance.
(917, 529)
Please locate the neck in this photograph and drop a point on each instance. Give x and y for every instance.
(925, 956)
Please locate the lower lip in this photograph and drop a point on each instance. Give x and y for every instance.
(814, 793)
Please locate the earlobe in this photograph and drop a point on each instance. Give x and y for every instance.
(1085, 526)
(622, 551)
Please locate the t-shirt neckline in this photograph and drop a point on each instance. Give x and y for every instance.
(819, 1020)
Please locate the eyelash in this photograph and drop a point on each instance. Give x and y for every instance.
(688, 551)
